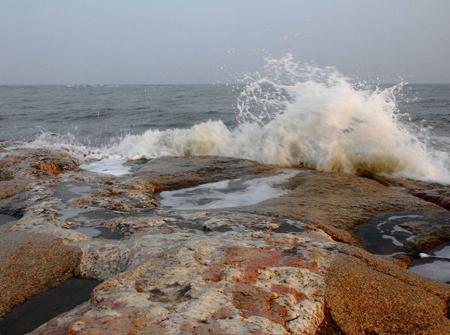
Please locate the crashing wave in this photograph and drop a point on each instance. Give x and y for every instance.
(304, 115)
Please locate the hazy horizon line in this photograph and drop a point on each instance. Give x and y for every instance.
(197, 84)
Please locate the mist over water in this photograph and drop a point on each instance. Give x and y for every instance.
(289, 114)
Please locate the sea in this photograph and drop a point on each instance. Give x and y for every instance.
(310, 117)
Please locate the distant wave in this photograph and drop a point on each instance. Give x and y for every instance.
(294, 115)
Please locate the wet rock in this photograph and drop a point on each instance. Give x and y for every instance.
(20, 168)
(6, 218)
(169, 173)
(337, 203)
(270, 268)
(438, 194)
(55, 165)
(36, 162)
(435, 264)
(368, 295)
(405, 232)
(118, 195)
(12, 187)
(31, 263)
(9, 215)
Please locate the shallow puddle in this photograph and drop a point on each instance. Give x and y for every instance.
(6, 219)
(10, 216)
(387, 234)
(101, 232)
(110, 166)
(81, 215)
(46, 305)
(392, 235)
(434, 264)
(70, 190)
(85, 221)
(227, 193)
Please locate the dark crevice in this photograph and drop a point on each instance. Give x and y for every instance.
(329, 325)
(46, 305)
(10, 215)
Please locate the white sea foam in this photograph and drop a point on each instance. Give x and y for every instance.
(301, 115)
(316, 118)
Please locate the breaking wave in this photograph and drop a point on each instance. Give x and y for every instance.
(293, 115)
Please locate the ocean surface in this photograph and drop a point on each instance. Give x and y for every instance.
(97, 114)
(324, 121)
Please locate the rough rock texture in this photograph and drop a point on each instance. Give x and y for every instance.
(231, 283)
(20, 168)
(30, 263)
(432, 192)
(169, 173)
(369, 295)
(278, 267)
(337, 203)
(35, 162)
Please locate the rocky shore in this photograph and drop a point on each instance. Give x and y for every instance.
(330, 254)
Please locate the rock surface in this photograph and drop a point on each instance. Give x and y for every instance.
(338, 203)
(30, 263)
(368, 295)
(288, 265)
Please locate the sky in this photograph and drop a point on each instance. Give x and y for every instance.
(215, 41)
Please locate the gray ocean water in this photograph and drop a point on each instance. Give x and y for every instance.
(96, 114)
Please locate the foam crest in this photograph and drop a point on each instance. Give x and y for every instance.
(306, 116)
(293, 115)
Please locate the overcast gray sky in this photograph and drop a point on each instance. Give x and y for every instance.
(207, 41)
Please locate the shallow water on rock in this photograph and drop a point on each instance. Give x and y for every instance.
(6, 219)
(46, 305)
(392, 235)
(434, 264)
(110, 166)
(387, 234)
(87, 220)
(101, 232)
(243, 191)
(70, 190)
(10, 216)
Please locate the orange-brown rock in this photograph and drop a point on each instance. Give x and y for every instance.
(22, 167)
(251, 261)
(368, 295)
(56, 164)
(30, 263)
(337, 202)
(432, 192)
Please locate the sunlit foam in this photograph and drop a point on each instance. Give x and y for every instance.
(293, 114)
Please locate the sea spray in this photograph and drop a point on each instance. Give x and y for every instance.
(292, 115)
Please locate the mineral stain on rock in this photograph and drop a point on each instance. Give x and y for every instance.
(276, 267)
(46, 305)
